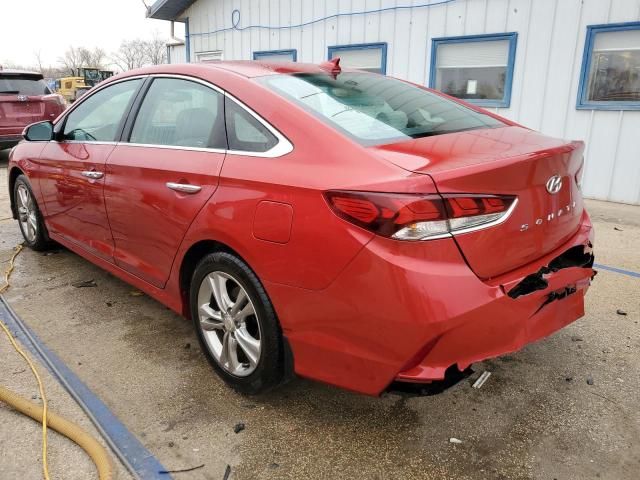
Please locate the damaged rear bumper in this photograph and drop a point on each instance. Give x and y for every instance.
(407, 311)
(527, 307)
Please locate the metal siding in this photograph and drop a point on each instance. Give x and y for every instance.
(551, 37)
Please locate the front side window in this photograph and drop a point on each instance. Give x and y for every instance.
(276, 56)
(371, 57)
(374, 109)
(98, 118)
(477, 69)
(182, 113)
(611, 68)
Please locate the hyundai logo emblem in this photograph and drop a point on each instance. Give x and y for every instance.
(554, 184)
(22, 98)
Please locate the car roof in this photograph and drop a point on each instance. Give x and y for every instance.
(12, 72)
(245, 68)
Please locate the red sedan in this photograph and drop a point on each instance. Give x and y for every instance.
(343, 225)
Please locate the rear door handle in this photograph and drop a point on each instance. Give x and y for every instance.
(184, 187)
(92, 174)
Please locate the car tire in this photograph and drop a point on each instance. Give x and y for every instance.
(30, 218)
(244, 344)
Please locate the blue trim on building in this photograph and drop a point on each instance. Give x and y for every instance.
(512, 37)
(362, 46)
(583, 103)
(293, 52)
(135, 457)
(187, 41)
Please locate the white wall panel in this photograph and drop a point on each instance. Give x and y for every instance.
(551, 36)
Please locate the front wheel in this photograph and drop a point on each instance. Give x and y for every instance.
(236, 324)
(30, 219)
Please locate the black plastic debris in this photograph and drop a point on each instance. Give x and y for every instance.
(180, 470)
(621, 312)
(578, 256)
(227, 472)
(238, 427)
(85, 284)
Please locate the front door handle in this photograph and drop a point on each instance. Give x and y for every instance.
(184, 187)
(92, 174)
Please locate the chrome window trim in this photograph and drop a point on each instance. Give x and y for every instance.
(90, 142)
(86, 96)
(281, 148)
(500, 220)
(175, 147)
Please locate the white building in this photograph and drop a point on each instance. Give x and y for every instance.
(569, 68)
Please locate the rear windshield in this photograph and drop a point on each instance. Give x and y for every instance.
(22, 85)
(374, 109)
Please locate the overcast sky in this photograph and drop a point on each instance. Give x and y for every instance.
(51, 26)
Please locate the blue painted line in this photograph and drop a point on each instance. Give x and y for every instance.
(617, 270)
(137, 459)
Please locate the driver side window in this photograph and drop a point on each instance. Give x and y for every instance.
(98, 118)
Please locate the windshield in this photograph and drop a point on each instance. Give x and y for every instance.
(374, 109)
(22, 85)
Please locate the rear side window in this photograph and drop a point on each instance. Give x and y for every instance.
(98, 117)
(23, 85)
(374, 109)
(244, 132)
(181, 113)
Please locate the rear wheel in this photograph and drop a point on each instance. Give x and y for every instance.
(30, 219)
(236, 324)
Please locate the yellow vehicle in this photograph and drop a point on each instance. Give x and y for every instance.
(72, 88)
(68, 87)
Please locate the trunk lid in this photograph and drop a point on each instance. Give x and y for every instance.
(505, 161)
(20, 110)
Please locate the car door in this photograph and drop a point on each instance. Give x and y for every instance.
(72, 167)
(158, 181)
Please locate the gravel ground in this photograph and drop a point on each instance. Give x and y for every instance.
(535, 418)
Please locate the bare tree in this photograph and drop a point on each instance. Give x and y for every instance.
(131, 54)
(92, 58)
(156, 50)
(38, 55)
(72, 60)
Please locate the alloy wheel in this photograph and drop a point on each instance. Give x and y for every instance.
(229, 323)
(27, 213)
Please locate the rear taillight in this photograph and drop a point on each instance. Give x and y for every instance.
(420, 217)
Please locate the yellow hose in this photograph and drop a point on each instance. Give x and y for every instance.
(70, 430)
(7, 273)
(41, 414)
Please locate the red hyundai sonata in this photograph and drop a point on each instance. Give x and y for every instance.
(346, 226)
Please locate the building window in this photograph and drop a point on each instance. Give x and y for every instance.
(478, 69)
(371, 57)
(610, 77)
(207, 57)
(276, 56)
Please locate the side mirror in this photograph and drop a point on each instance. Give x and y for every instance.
(39, 132)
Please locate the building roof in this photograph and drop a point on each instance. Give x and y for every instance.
(168, 9)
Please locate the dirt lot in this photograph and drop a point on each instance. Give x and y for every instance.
(535, 418)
